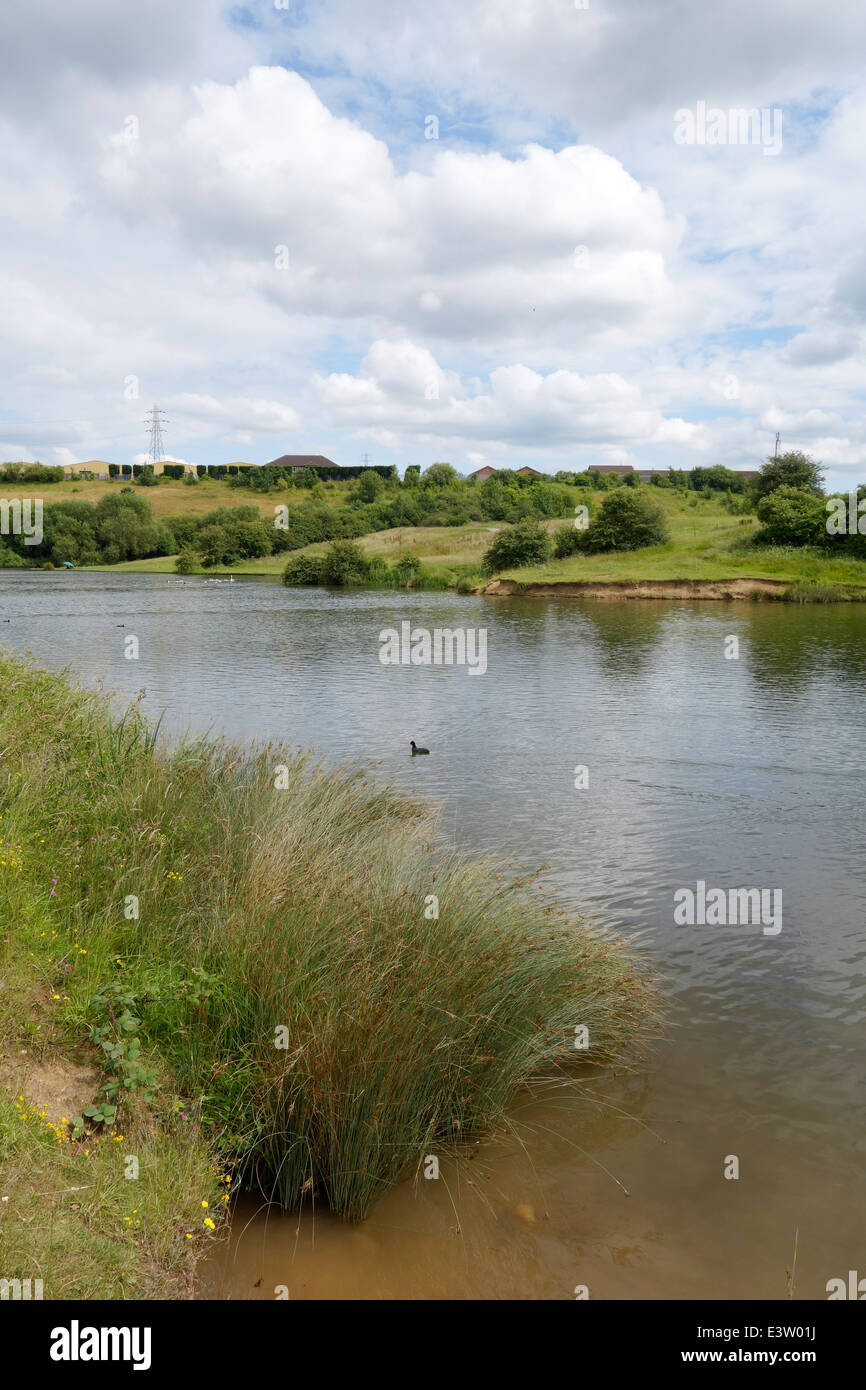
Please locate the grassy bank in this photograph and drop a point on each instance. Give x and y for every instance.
(449, 551)
(286, 1008)
(706, 543)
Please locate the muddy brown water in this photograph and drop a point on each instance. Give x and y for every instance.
(745, 772)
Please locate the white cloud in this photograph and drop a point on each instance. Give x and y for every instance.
(558, 269)
(519, 407)
(478, 240)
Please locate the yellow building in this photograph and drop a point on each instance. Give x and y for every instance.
(98, 467)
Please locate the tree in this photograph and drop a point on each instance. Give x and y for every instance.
(231, 541)
(527, 543)
(230, 534)
(628, 519)
(791, 516)
(126, 530)
(794, 469)
(440, 475)
(496, 500)
(370, 485)
(717, 477)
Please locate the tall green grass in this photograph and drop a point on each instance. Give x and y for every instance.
(818, 591)
(291, 979)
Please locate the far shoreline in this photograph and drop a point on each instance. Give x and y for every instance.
(699, 589)
(731, 588)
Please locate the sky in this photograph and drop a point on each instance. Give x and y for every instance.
(487, 231)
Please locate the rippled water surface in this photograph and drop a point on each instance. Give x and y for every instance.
(743, 772)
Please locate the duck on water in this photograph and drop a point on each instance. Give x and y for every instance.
(416, 751)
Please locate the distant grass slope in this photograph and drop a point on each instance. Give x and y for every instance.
(172, 497)
(453, 549)
(707, 542)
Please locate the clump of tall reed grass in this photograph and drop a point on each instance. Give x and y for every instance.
(814, 591)
(337, 993)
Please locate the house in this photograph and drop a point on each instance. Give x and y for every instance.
(623, 469)
(92, 468)
(487, 472)
(298, 462)
(646, 475)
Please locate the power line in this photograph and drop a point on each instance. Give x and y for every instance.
(155, 429)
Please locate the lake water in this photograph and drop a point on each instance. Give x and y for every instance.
(742, 772)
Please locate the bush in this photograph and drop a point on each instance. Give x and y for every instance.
(344, 564)
(568, 540)
(406, 569)
(527, 543)
(186, 562)
(628, 519)
(11, 560)
(790, 516)
(32, 473)
(304, 569)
